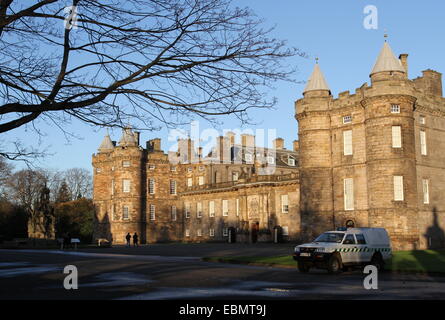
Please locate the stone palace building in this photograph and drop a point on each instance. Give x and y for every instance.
(372, 158)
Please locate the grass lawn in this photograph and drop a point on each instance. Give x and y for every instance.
(403, 261)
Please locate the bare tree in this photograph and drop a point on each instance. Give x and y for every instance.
(24, 188)
(79, 182)
(5, 172)
(151, 62)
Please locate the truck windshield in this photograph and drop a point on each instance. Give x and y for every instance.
(330, 237)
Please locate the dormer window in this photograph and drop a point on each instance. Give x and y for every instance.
(291, 162)
(248, 157)
(395, 108)
(347, 119)
(270, 160)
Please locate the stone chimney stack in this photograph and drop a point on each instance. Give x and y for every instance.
(224, 149)
(137, 136)
(154, 145)
(296, 144)
(278, 143)
(404, 60)
(231, 136)
(248, 140)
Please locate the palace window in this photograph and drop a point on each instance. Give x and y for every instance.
(398, 188)
(348, 190)
(201, 180)
(172, 187)
(187, 232)
(284, 203)
(199, 233)
(152, 212)
(235, 175)
(201, 168)
(225, 232)
(211, 208)
(347, 143)
(125, 213)
(173, 213)
(347, 119)
(291, 161)
(422, 120)
(212, 232)
(151, 166)
(396, 136)
(126, 185)
(395, 108)
(285, 230)
(125, 163)
(151, 186)
(189, 169)
(113, 212)
(112, 187)
(270, 160)
(423, 143)
(237, 207)
(189, 182)
(426, 191)
(187, 210)
(248, 158)
(199, 210)
(225, 208)
(173, 168)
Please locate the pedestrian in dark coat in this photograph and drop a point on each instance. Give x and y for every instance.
(128, 238)
(135, 240)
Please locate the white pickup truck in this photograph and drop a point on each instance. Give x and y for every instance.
(346, 247)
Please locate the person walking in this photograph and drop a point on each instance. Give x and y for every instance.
(128, 238)
(135, 239)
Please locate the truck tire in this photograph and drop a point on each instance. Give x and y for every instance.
(377, 261)
(334, 264)
(303, 267)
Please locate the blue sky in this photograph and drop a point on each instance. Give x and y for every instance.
(331, 30)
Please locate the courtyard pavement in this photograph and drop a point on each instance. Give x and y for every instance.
(176, 271)
(201, 249)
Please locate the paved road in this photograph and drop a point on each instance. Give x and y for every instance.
(202, 249)
(32, 274)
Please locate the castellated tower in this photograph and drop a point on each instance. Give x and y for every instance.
(389, 106)
(118, 191)
(314, 131)
(375, 158)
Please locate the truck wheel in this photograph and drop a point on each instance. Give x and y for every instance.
(303, 267)
(377, 261)
(335, 264)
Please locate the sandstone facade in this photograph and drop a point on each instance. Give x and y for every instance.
(373, 158)
(254, 191)
(384, 145)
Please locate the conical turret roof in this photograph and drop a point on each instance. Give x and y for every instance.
(106, 145)
(387, 61)
(316, 81)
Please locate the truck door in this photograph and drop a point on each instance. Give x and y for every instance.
(349, 249)
(365, 253)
